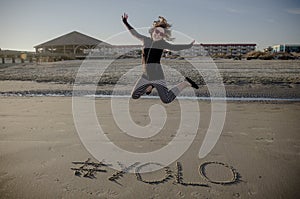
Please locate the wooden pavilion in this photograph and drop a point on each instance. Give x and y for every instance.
(74, 44)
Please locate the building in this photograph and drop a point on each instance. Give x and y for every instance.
(233, 49)
(114, 51)
(197, 50)
(79, 45)
(286, 48)
(268, 49)
(73, 43)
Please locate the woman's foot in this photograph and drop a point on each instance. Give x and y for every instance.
(193, 84)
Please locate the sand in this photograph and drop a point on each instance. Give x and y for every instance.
(39, 142)
(233, 72)
(257, 155)
(242, 78)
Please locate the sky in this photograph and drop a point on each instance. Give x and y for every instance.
(27, 23)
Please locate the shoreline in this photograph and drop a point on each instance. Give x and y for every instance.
(215, 99)
(31, 88)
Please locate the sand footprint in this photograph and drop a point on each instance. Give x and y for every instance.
(180, 194)
(261, 139)
(268, 137)
(112, 193)
(155, 196)
(198, 195)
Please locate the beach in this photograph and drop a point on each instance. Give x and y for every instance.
(39, 143)
(256, 156)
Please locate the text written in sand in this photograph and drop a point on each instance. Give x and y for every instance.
(89, 169)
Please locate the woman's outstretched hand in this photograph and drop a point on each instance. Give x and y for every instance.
(124, 17)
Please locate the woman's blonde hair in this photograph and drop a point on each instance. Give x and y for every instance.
(162, 22)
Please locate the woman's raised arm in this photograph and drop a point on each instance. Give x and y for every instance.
(131, 29)
(177, 47)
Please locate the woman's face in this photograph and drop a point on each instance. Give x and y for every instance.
(158, 33)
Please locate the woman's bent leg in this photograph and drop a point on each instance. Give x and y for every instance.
(140, 88)
(164, 93)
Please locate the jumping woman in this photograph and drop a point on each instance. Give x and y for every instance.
(153, 75)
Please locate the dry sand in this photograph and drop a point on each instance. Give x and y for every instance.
(232, 71)
(242, 78)
(38, 143)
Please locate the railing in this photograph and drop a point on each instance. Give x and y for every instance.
(33, 57)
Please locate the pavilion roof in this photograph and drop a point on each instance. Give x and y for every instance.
(72, 38)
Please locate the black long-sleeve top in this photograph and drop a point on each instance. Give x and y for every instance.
(152, 52)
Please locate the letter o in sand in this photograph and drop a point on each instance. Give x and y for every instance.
(168, 173)
(235, 174)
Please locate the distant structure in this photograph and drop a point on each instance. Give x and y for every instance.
(78, 45)
(269, 49)
(114, 51)
(197, 49)
(286, 48)
(232, 49)
(73, 43)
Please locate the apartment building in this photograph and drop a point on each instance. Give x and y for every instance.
(233, 49)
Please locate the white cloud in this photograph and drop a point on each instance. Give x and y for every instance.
(295, 11)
